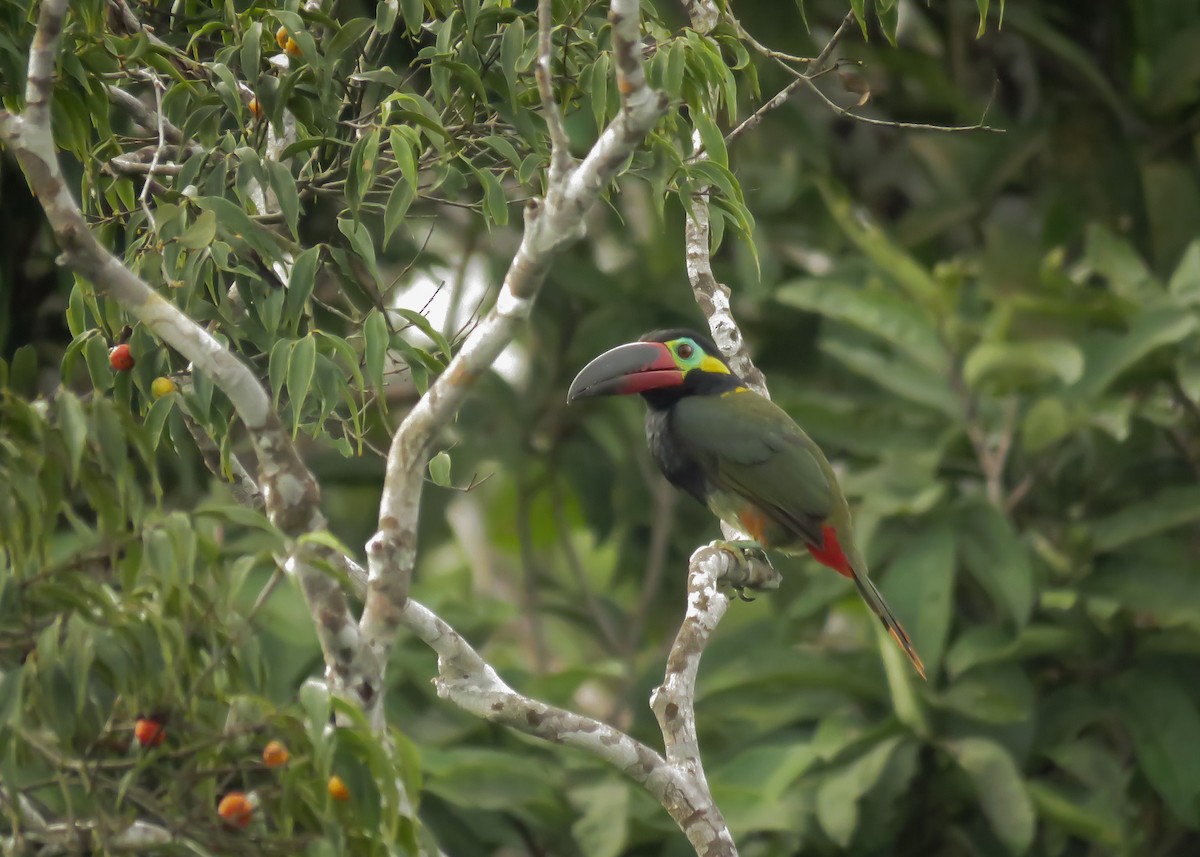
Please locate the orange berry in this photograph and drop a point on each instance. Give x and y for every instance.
(162, 386)
(337, 788)
(275, 755)
(255, 108)
(120, 358)
(282, 38)
(149, 732)
(237, 808)
(292, 48)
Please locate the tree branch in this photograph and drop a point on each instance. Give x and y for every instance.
(560, 144)
(550, 225)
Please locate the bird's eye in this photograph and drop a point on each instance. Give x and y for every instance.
(685, 351)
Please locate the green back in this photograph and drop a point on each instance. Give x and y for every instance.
(750, 447)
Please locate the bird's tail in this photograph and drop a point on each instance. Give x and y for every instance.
(875, 601)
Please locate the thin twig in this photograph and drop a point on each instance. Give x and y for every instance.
(784, 94)
(560, 144)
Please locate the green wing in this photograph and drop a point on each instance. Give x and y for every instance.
(750, 447)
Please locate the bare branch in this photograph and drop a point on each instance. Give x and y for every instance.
(816, 67)
(784, 94)
(560, 144)
(713, 297)
(703, 14)
(146, 117)
(550, 225)
(627, 49)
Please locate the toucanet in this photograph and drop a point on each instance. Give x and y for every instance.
(738, 453)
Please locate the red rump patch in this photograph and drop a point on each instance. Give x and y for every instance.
(829, 553)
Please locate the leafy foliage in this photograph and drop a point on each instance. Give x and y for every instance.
(994, 336)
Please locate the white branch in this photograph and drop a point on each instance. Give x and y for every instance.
(550, 225)
(560, 144)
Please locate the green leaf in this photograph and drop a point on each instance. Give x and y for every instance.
(74, 429)
(301, 281)
(363, 166)
(360, 242)
(375, 346)
(439, 469)
(1115, 258)
(982, 6)
(284, 186)
(711, 139)
(301, 365)
(898, 376)
(1045, 423)
(512, 43)
(277, 366)
(1163, 721)
(891, 318)
(888, 14)
(95, 354)
(10, 694)
(503, 148)
(495, 203)
(201, 233)
(599, 90)
(398, 202)
(1109, 355)
(1020, 364)
(1155, 584)
(1146, 516)
(995, 557)
(840, 792)
(422, 324)
(602, 829)
(156, 418)
(386, 12)
(676, 67)
(1001, 791)
(919, 586)
(1097, 823)
(1185, 282)
(888, 256)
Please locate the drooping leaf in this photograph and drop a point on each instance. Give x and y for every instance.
(1165, 725)
(840, 792)
(919, 585)
(1000, 790)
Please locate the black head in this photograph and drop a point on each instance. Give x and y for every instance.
(663, 366)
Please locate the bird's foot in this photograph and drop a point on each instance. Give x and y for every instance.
(754, 569)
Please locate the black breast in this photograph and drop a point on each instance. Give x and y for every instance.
(681, 470)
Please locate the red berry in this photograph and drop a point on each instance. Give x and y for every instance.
(148, 732)
(120, 358)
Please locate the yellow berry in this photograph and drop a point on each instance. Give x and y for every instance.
(292, 48)
(275, 755)
(338, 789)
(281, 37)
(162, 386)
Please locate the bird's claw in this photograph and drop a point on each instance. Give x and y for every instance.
(745, 554)
(741, 594)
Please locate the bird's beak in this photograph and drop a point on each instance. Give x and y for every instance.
(631, 368)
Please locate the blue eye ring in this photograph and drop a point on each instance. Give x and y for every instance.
(685, 350)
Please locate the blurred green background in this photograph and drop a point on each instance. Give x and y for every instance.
(992, 335)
